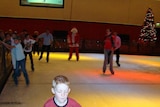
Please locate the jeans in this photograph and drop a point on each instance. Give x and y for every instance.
(21, 64)
(108, 59)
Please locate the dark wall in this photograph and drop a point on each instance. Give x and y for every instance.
(91, 33)
(87, 30)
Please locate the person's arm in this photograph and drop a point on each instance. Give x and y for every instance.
(32, 41)
(40, 36)
(7, 45)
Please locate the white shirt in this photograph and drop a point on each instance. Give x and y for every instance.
(28, 44)
(117, 42)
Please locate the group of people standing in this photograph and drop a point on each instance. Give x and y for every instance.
(73, 40)
(60, 84)
(112, 44)
(20, 46)
(18, 57)
(25, 44)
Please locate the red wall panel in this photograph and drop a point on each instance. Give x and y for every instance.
(87, 30)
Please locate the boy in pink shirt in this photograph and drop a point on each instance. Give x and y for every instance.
(60, 89)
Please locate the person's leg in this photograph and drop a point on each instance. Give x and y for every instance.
(105, 60)
(70, 53)
(37, 48)
(77, 53)
(109, 53)
(34, 48)
(16, 73)
(43, 48)
(31, 59)
(23, 67)
(15, 68)
(117, 52)
(111, 62)
(48, 51)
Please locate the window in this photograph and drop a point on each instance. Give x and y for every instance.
(43, 3)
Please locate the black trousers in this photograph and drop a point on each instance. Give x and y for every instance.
(117, 52)
(35, 48)
(47, 49)
(31, 58)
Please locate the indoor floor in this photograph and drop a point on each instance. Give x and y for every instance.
(136, 82)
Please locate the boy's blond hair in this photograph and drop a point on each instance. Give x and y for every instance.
(60, 79)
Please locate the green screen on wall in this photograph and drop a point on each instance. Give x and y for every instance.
(43, 3)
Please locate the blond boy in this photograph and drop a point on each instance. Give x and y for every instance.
(60, 89)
